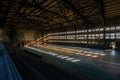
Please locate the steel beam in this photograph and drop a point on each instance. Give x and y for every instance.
(100, 6)
(77, 12)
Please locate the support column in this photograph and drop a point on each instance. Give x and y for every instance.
(104, 39)
(66, 37)
(115, 37)
(87, 36)
(53, 39)
(75, 37)
(42, 35)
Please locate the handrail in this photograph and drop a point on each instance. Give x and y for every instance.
(10, 71)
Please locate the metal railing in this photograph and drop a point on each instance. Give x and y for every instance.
(10, 72)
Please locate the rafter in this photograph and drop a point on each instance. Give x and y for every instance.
(77, 12)
(54, 14)
(100, 6)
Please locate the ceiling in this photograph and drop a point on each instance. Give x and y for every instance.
(59, 15)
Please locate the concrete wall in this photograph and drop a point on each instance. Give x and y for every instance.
(28, 35)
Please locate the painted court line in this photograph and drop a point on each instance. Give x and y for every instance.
(57, 55)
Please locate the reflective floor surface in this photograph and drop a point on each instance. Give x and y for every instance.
(82, 61)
